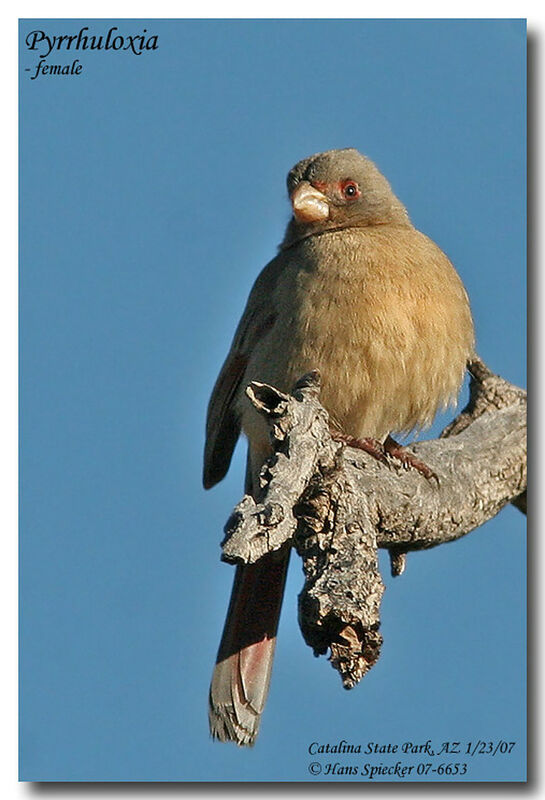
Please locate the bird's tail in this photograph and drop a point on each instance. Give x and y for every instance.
(240, 682)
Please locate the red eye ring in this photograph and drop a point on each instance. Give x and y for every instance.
(350, 190)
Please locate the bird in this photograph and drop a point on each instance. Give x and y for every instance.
(358, 293)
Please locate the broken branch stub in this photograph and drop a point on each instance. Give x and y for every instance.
(339, 607)
(300, 435)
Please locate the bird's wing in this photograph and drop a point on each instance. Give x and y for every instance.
(222, 422)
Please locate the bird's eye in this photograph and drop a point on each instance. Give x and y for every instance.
(350, 190)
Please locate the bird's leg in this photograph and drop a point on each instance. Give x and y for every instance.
(367, 444)
(408, 459)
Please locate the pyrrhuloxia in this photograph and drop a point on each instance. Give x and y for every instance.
(358, 293)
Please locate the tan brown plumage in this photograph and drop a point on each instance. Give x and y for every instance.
(358, 293)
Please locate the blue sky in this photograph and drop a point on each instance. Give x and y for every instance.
(152, 193)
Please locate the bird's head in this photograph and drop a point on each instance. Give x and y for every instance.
(339, 189)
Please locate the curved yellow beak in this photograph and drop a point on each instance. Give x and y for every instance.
(309, 205)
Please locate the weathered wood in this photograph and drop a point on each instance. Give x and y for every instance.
(337, 504)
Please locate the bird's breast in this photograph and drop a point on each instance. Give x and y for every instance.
(382, 315)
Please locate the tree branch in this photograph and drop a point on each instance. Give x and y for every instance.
(337, 505)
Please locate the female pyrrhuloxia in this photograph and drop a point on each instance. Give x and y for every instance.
(358, 293)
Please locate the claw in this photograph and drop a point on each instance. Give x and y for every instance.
(408, 459)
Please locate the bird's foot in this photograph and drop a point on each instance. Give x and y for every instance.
(368, 445)
(408, 459)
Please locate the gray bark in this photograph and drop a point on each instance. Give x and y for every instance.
(337, 505)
